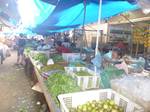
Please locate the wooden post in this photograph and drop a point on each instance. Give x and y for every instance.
(131, 41)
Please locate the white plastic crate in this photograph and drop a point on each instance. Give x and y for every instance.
(73, 100)
(84, 82)
(71, 56)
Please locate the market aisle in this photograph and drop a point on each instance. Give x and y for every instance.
(15, 89)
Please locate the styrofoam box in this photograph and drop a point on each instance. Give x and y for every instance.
(73, 100)
(71, 56)
(84, 82)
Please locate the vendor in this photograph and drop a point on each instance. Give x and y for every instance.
(66, 43)
(113, 57)
(61, 48)
(116, 53)
(121, 46)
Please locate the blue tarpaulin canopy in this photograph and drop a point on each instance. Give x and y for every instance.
(69, 14)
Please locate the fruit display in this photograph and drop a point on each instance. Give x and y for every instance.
(42, 58)
(98, 106)
(83, 73)
(52, 67)
(57, 58)
(60, 83)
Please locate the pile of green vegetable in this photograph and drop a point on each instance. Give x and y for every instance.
(42, 58)
(27, 51)
(52, 67)
(57, 58)
(60, 83)
(109, 73)
(98, 106)
(83, 73)
(76, 64)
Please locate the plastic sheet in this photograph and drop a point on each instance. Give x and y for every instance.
(135, 88)
(97, 61)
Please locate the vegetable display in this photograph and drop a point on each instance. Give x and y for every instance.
(98, 106)
(76, 64)
(83, 73)
(52, 67)
(27, 50)
(42, 58)
(57, 58)
(60, 83)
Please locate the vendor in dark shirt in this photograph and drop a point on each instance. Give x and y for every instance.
(20, 49)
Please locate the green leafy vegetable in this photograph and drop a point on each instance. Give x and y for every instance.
(27, 51)
(76, 64)
(52, 67)
(57, 58)
(41, 58)
(60, 83)
(83, 73)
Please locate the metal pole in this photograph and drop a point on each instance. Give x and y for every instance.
(98, 23)
(83, 28)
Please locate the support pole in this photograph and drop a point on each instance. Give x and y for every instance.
(83, 28)
(98, 23)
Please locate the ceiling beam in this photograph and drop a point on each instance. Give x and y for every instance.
(132, 20)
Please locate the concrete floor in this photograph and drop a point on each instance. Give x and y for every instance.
(15, 88)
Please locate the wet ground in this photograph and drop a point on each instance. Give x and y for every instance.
(15, 89)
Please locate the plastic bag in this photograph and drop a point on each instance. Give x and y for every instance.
(97, 61)
(108, 55)
(135, 88)
(108, 74)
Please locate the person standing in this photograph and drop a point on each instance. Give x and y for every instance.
(20, 49)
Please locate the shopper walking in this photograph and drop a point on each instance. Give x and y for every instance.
(20, 49)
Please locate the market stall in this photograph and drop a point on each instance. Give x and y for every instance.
(64, 76)
(56, 78)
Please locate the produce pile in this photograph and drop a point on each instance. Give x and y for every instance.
(57, 58)
(83, 73)
(76, 64)
(27, 51)
(60, 83)
(52, 67)
(42, 58)
(98, 106)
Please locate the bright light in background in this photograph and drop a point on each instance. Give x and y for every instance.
(33, 12)
(145, 5)
(7, 4)
(146, 11)
(28, 12)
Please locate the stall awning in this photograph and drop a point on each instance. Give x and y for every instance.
(69, 14)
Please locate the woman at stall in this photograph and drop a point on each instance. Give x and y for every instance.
(61, 48)
(116, 54)
(112, 57)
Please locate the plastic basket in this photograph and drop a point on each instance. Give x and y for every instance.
(84, 82)
(71, 57)
(72, 100)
